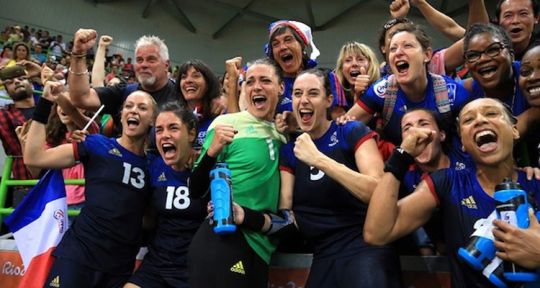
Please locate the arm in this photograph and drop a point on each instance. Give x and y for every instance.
(286, 192)
(453, 56)
(527, 119)
(98, 70)
(81, 94)
(359, 184)
(35, 153)
(477, 12)
(521, 246)
(444, 24)
(75, 114)
(232, 68)
(387, 218)
(359, 113)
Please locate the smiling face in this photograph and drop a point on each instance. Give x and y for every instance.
(287, 53)
(173, 140)
(262, 91)
(21, 53)
(487, 132)
(310, 104)
(489, 71)
(407, 58)
(150, 68)
(137, 114)
(423, 119)
(351, 66)
(193, 85)
(518, 19)
(529, 76)
(64, 118)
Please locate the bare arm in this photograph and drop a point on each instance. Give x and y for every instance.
(389, 219)
(477, 12)
(286, 192)
(359, 113)
(81, 94)
(444, 24)
(453, 56)
(75, 114)
(232, 67)
(360, 184)
(98, 69)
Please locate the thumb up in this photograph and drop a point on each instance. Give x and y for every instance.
(361, 82)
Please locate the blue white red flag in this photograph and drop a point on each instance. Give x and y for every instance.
(38, 224)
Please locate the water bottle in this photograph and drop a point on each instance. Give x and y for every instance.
(494, 272)
(221, 194)
(512, 206)
(480, 251)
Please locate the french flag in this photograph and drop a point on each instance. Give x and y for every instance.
(38, 224)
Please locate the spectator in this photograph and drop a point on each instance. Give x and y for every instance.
(38, 53)
(58, 47)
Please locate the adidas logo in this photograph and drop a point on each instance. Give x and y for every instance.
(162, 177)
(55, 282)
(238, 268)
(115, 152)
(469, 202)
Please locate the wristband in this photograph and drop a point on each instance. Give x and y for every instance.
(398, 163)
(253, 220)
(81, 55)
(42, 111)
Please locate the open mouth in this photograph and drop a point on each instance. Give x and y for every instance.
(259, 101)
(305, 114)
(487, 71)
(190, 89)
(169, 150)
(354, 73)
(515, 30)
(133, 122)
(287, 57)
(486, 140)
(402, 66)
(534, 90)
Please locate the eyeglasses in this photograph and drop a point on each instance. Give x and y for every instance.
(392, 22)
(492, 51)
(11, 80)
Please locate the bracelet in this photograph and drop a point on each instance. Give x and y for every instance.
(42, 111)
(398, 163)
(253, 220)
(78, 73)
(81, 55)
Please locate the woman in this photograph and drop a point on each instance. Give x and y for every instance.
(528, 84)
(488, 132)
(342, 165)
(100, 247)
(178, 214)
(198, 87)
(249, 143)
(356, 68)
(20, 52)
(410, 85)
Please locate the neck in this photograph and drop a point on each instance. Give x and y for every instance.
(439, 163)
(132, 144)
(416, 90)
(71, 127)
(503, 91)
(491, 175)
(318, 132)
(181, 164)
(194, 103)
(521, 46)
(157, 86)
(25, 103)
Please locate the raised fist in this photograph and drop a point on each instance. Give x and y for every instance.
(84, 40)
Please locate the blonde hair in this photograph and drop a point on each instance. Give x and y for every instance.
(356, 48)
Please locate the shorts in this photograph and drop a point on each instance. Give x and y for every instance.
(224, 261)
(148, 275)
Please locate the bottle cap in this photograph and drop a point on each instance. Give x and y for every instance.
(508, 184)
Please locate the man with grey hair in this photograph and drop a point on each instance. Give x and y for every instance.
(151, 67)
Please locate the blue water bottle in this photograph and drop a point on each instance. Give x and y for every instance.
(512, 206)
(221, 194)
(480, 250)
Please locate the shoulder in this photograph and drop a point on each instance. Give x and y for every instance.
(379, 87)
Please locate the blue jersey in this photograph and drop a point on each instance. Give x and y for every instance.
(373, 101)
(179, 215)
(106, 235)
(517, 102)
(202, 128)
(463, 202)
(328, 215)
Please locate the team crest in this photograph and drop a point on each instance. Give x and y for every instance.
(451, 92)
(380, 88)
(60, 217)
(333, 139)
(115, 152)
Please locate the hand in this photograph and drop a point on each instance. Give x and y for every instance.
(105, 40)
(31, 67)
(341, 120)
(361, 83)
(238, 214)
(521, 246)
(282, 121)
(219, 105)
(399, 8)
(46, 74)
(232, 67)
(52, 90)
(416, 139)
(78, 136)
(531, 171)
(305, 150)
(22, 133)
(223, 135)
(84, 40)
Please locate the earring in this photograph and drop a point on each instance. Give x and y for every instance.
(462, 148)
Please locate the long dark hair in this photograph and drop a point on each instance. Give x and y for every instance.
(212, 84)
(56, 130)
